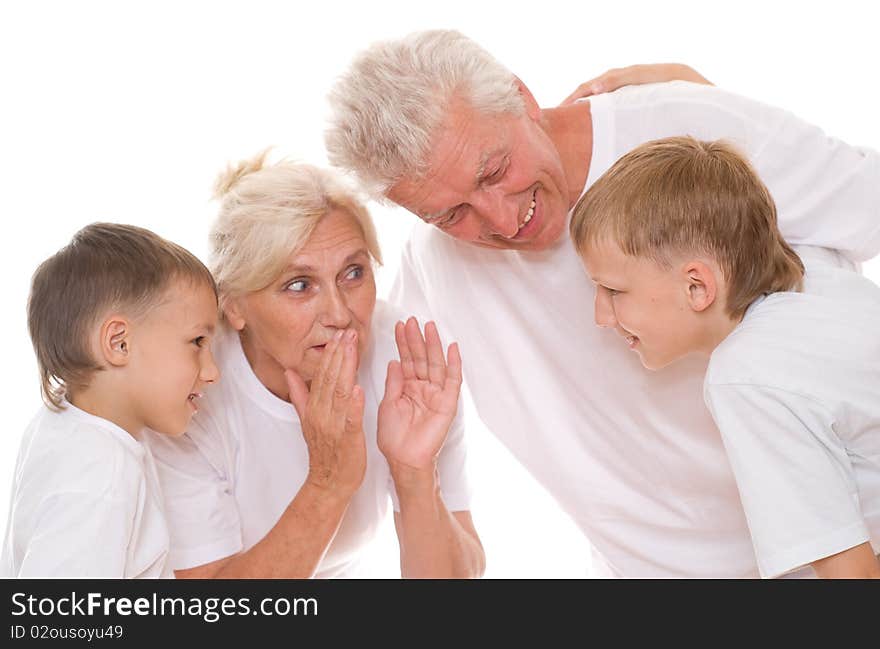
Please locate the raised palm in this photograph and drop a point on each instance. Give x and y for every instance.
(421, 397)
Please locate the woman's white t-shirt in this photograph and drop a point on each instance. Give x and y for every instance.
(228, 480)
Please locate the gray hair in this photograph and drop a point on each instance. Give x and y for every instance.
(267, 213)
(387, 107)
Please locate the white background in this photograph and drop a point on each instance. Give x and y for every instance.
(126, 112)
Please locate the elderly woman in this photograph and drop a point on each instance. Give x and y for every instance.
(327, 406)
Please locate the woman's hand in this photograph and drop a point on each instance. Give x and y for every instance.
(332, 413)
(635, 75)
(421, 398)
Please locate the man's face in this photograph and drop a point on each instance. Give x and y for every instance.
(492, 180)
(644, 303)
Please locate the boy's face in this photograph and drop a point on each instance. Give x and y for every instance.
(171, 360)
(643, 302)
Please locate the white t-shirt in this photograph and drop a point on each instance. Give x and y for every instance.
(231, 476)
(85, 503)
(631, 455)
(795, 392)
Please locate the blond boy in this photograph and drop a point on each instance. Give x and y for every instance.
(121, 322)
(681, 240)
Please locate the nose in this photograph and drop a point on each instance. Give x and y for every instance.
(334, 309)
(499, 212)
(604, 309)
(209, 372)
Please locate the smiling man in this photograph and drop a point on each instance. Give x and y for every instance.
(435, 124)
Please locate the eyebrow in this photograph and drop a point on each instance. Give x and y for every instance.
(305, 268)
(206, 327)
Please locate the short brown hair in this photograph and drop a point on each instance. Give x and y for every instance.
(682, 195)
(105, 266)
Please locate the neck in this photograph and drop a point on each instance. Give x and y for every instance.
(107, 404)
(718, 327)
(570, 128)
(266, 368)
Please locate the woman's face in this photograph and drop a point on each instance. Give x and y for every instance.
(326, 286)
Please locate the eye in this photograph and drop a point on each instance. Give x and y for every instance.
(453, 217)
(198, 341)
(496, 175)
(355, 272)
(298, 285)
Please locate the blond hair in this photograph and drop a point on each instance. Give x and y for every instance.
(387, 108)
(105, 266)
(680, 195)
(267, 213)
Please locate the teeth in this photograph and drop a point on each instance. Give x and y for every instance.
(529, 214)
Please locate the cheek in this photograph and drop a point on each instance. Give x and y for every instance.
(362, 302)
(282, 329)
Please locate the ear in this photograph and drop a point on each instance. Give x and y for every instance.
(234, 312)
(701, 285)
(115, 341)
(532, 108)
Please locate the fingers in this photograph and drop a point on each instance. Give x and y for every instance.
(345, 380)
(454, 362)
(354, 416)
(324, 380)
(406, 360)
(434, 350)
(393, 381)
(417, 348)
(452, 385)
(587, 88)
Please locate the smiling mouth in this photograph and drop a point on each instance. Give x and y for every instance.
(530, 213)
(192, 400)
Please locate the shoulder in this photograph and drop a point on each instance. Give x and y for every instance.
(70, 454)
(678, 92)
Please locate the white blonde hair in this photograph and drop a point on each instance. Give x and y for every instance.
(387, 107)
(267, 213)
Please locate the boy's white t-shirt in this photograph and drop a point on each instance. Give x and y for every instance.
(632, 456)
(795, 392)
(228, 480)
(86, 503)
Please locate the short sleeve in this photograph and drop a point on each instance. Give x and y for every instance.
(68, 523)
(196, 476)
(63, 545)
(797, 486)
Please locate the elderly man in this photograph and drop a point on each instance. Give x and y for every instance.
(435, 124)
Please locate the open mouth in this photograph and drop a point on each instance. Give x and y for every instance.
(529, 214)
(192, 400)
(632, 341)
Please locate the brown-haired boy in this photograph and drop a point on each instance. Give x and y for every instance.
(681, 240)
(121, 322)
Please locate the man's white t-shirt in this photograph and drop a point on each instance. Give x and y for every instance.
(632, 456)
(86, 503)
(228, 480)
(795, 392)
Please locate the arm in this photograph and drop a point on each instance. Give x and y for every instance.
(856, 563)
(331, 414)
(635, 75)
(421, 396)
(794, 476)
